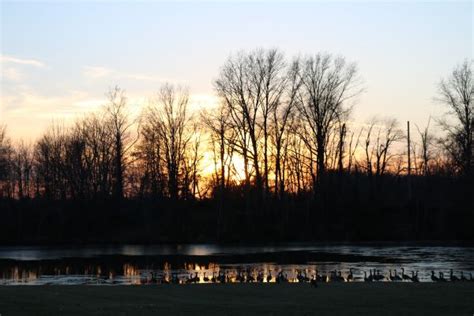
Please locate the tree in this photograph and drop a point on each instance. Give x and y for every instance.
(5, 162)
(380, 138)
(426, 152)
(457, 93)
(119, 124)
(328, 83)
(166, 122)
(240, 86)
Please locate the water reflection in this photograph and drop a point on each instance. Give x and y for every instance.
(184, 264)
(194, 273)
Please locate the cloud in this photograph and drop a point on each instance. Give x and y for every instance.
(21, 61)
(99, 72)
(12, 74)
(96, 72)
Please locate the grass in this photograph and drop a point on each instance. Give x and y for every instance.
(241, 299)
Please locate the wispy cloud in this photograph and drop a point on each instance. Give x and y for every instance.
(95, 72)
(21, 61)
(12, 74)
(99, 72)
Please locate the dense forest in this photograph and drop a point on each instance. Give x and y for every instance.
(279, 159)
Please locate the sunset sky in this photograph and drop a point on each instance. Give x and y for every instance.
(59, 58)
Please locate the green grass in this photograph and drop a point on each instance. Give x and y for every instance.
(241, 299)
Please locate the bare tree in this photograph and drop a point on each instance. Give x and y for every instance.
(119, 123)
(328, 83)
(5, 155)
(457, 93)
(168, 117)
(426, 151)
(241, 85)
(380, 137)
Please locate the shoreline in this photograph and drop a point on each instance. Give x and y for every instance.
(223, 299)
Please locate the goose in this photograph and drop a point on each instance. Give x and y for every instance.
(371, 276)
(463, 278)
(269, 276)
(314, 281)
(143, 280)
(190, 279)
(405, 276)
(305, 277)
(367, 279)
(205, 278)
(260, 277)
(378, 276)
(350, 276)
(452, 277)
(174, 278)
(299, 277)
(163, 280)
(441, 277)
(414, 277)
(240, 277)
(222, 277)
(390, 276)
(213, 279)
(250, 277)
(319, 277)
(153, 278)
(434, 278)
(395, 276)
(339, 277)
(281, 278)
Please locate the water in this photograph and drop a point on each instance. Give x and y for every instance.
(139, 264)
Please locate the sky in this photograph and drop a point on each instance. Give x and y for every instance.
(58, 59)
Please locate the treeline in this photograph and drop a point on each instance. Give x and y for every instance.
(278, 159)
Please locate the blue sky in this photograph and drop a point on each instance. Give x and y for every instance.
(59, 58)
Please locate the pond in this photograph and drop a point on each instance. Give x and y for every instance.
(203, 263)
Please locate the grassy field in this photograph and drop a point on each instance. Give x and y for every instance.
(239, 299)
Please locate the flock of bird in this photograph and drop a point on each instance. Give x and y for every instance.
(246, 276)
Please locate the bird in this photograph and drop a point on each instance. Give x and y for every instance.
(213, 279)
(339, 277)
(174, 278)
(163, 280)
(319, 277)
(300, 277)
(269, 276)
(405, 276)
(395, 276)
(281, 278)
(305, 277)
(250, 277)
(434, 278)
(350, 276)
(378, 276)
(205, 278)
(367, 279)
(314, 281)
(452, 277)
(240, 277)
(260, 277)
(414, 277)
(463, 278)
(441, 277)
(153, 278)
(190, 279)
(222, 277)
